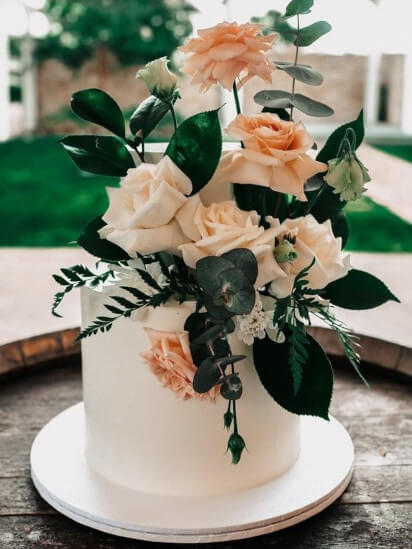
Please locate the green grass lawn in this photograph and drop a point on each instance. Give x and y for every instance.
(401, 151)
(46, 200)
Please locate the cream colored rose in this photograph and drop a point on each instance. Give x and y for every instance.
(228, 50)
(141, 214)
(160, 81)
(310, 240)
(221, 227)
(170, 360)
(275, 155)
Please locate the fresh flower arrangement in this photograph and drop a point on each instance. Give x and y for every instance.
(254, 237)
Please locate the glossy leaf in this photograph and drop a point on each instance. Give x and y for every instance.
(308, 35)
(102, 155)
(100, 247)
(98, 107)
(358, 291)
(261, 199)
(315, 391)
(147, 115)
(282, 113)
(298, 7)
(302, 73)
(332, 145)
(208, 271)
(196, 147)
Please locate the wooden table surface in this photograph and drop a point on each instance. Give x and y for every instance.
(375, 512)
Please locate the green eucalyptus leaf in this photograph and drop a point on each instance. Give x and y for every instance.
(298, 7)
(278, 99)
(102, 155)
(274, 99)
(218, 312)
(231, 388)
(310, 106)
(358, 290)
(243, 301)
(208, 271)
(98, 107)
(232, 359)
(100, 247)
(332, 145)
(302, 73)
(308, 35)
(196, 147)
(206, 376)
(212, 333)
(196, 324)
(244, 260)
(147, 115)
(315, 391)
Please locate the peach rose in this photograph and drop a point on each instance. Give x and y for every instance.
(171, 362)
(219, 228)
(275, 155)
(140, 218)
(226, 51)
(310, 239)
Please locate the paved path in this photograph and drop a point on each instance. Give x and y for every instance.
(26, 292)
(391, 184)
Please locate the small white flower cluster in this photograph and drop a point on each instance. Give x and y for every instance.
(257, 324)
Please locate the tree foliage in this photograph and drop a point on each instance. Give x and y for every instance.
(136, 32)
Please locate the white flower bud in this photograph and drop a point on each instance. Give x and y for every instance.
(160, 81)
(347, 176)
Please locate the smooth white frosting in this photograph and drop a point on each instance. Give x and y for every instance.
(140, 435)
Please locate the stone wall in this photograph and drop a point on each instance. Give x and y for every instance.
(343, 88)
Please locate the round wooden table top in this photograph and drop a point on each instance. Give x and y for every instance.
(375, 512)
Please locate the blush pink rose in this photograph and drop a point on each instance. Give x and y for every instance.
(228, 50)
(170, 360)
(275, 155)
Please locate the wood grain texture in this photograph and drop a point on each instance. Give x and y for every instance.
(375, 512)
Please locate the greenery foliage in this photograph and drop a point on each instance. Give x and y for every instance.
(136, 32)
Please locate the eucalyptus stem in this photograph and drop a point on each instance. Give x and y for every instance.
(295, 63)
(172, 110)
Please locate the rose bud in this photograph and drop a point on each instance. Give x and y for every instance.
(160, 81)
(236, 445)
(347, 176)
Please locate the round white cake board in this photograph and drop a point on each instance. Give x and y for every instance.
(65, 480)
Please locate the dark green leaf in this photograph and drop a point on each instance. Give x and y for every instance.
(98, 107)
(314, 183)
(302, 73)
(99, 247)
(340, 227)
(298, 7)
(208, 271)
(244, 260)
(196, 147)
(308, 35)
(214, 332)
(206, 376)
(232, 359)
(282, 113)
(102, 155)
(147, 115)
(263, 200)
(315, 392)
(311, 107)
(358, 291)
(331, 148)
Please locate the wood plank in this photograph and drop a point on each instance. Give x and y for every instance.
(380, 526)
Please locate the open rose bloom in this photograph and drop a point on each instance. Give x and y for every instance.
(170, 360)
(275, 155)
(227, 51)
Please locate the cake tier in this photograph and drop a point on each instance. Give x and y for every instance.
(140, 435)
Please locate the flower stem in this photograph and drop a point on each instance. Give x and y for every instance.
(172, 110)
(236, 96)
(295, 63)
(314, 199)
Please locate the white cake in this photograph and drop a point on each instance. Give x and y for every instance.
(140, 435)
